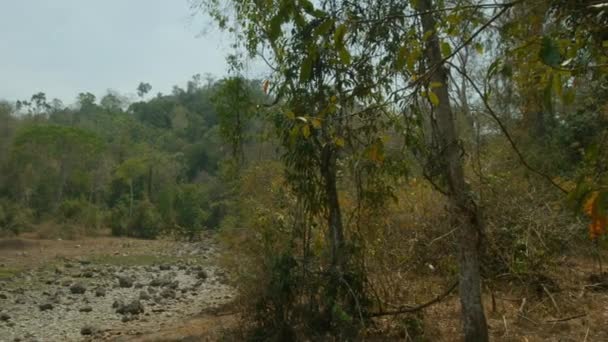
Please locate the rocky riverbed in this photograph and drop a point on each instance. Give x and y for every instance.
(103, 297)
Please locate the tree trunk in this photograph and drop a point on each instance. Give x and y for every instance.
(465, 212)
(334, 217)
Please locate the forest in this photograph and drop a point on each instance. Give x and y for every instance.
(416, 170)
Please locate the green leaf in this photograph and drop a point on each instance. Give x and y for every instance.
(401, 58)
(479, 48)
(307, 6)
(339, 36)
(306, 69)
(275, 27)
(412, 58)
(324, 28)
(549, 52)
(344, 56)
(446, 49)
(433, 98)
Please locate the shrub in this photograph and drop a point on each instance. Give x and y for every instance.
(80, 212)
(118, 218)
(145, 222)
(190, 210)
(14, 218)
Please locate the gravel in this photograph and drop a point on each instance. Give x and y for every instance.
(75, 314)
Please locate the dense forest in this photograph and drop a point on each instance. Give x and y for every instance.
(150, 167)
(397, 153)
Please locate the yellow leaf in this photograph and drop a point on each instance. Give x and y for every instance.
(306, 131)
(291, 115)
(435, 85)
(316, 123)
(339, 141)
(433, 98)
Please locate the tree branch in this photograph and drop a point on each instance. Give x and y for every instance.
(409, 309)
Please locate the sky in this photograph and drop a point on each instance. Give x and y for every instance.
(65, 47)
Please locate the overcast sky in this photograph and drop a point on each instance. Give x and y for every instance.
(64, 47)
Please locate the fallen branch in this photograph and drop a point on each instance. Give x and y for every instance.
(409, 309)
(567, 318)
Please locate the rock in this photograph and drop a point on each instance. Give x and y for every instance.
(20, 301)
(181, 267)
(125, 281)
(138, 285)
(168, 293)
(86, 309)
(78, 288)
(164, 267)
(162, 281)
(143, 295)
(4, 317)
(3, 296)
(117, 304)
(201, 275)
(87, 330)
(133, 308)
(87, 274)
(66, 282)
(100, 292)
(45, 306)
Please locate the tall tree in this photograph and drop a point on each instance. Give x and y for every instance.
(465, 212)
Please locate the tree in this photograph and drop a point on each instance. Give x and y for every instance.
(467, 218)
(53, 154)
(143, 88)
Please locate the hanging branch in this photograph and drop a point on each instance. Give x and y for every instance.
(505, 131)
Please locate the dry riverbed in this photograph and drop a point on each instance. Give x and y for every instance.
(105, 289)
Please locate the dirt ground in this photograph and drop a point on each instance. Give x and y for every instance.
(25, 265)
(571, 304)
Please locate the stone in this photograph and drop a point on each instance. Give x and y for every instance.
(125, 281)
(133, 308)
(86, 309)
(78, 288)
(87, 330)
(117, 304)
(45, 306)
(100, 292)
(3, 296)
(87, 274)
(201, 275)
(168, 293)
(4, 317)
(143, 295)
(164, 267)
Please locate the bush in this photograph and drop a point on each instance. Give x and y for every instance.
(145, 222)
(118, 219)
(80, 212)
(14, 218)
(190, 210)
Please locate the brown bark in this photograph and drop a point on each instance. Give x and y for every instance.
(465, 212)
(334, 215)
